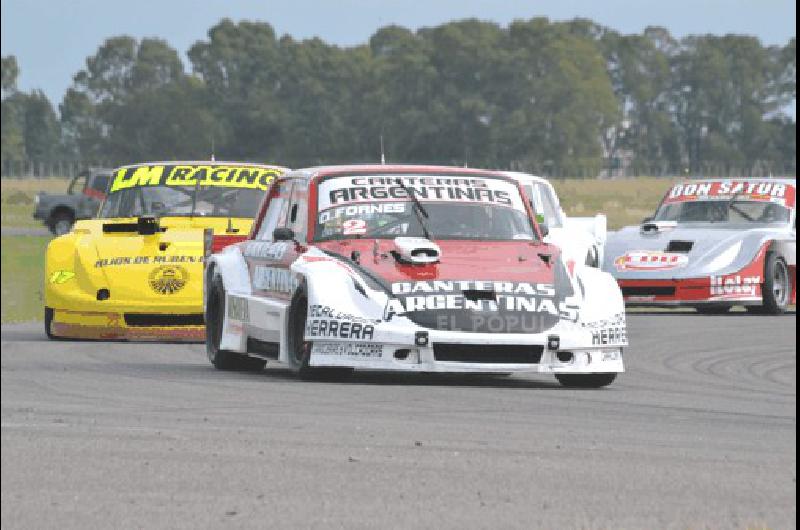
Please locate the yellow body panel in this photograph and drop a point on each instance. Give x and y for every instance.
(154, 282)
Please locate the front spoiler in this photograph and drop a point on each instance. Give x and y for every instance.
(383, 356)
(689, 292)
(112, 326)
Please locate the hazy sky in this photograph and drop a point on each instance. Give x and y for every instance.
(52, 38)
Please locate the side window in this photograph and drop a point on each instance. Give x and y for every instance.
(100, 183)
(298, 210)
(277, 209)
(77, 184)
(550, 208)
(110, 207)
(535, 196)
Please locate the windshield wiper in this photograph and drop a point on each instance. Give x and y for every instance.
(420, 210)
(736, 209)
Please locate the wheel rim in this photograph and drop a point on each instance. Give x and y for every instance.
(62, 227)
(780, 281)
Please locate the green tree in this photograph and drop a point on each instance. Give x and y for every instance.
(134, 102)
(724, 92)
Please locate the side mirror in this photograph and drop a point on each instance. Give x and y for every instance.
(647, 219)
(283, 234)
(542, 225)
(545, 229)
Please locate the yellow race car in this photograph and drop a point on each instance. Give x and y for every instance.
(136, 271)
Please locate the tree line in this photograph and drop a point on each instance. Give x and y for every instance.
(574, 98)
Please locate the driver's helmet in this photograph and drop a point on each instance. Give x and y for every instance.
(773, 213)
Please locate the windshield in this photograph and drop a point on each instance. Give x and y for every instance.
(729, 203)
(206, 191)
(451, 208)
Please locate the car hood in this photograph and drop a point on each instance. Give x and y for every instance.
(520, 285)
(682, 251)
(165, 267)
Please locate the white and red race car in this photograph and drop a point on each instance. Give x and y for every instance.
(409, 268)
(712, 244)
(581, 239)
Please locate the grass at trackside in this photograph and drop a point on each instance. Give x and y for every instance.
(624, 201)
(22, 284)
(16, 197)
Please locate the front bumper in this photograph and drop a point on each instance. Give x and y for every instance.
(446, 351)
(103, 325)
(728, 290)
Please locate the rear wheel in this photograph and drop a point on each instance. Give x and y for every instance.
(215, 320)
(777, 287)
(586, 380)
(61, 223)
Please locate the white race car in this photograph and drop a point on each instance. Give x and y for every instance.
(581, 239)
(408, 268)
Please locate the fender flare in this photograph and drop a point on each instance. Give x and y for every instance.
(231, 266)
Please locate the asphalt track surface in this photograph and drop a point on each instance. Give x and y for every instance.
(699, 433)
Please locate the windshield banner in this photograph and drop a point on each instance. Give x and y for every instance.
(745, 190)
(252, 177)
(341, 191)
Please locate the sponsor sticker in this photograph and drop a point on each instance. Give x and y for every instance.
(477, 305)
(343, 191)
(354, 350)
(252, 177)
(645, 260)
(118, 261)
(238, 309)
(168, 279)
(615, 336)
(734, 286)
(59, 277)
(754, 190)
(274, 279)
(266, 250)
(354, 226)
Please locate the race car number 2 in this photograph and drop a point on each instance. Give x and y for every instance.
(354, 227)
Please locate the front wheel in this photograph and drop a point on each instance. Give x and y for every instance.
(48, 323)
(299, 347)
(586, 380)
(215, 320)
(777, 288)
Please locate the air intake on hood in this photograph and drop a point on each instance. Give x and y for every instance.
(680, 246)
(416, 250)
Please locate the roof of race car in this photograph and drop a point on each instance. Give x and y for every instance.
(200, 163)
(781, 180)
(324, 171)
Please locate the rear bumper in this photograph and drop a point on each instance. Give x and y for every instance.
(96, 325)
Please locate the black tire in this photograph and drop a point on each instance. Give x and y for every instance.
(713, 309)
(61, 223)
(299, 348)
(48, 323)
(586, 380)
(776, 291)
(215, 318)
